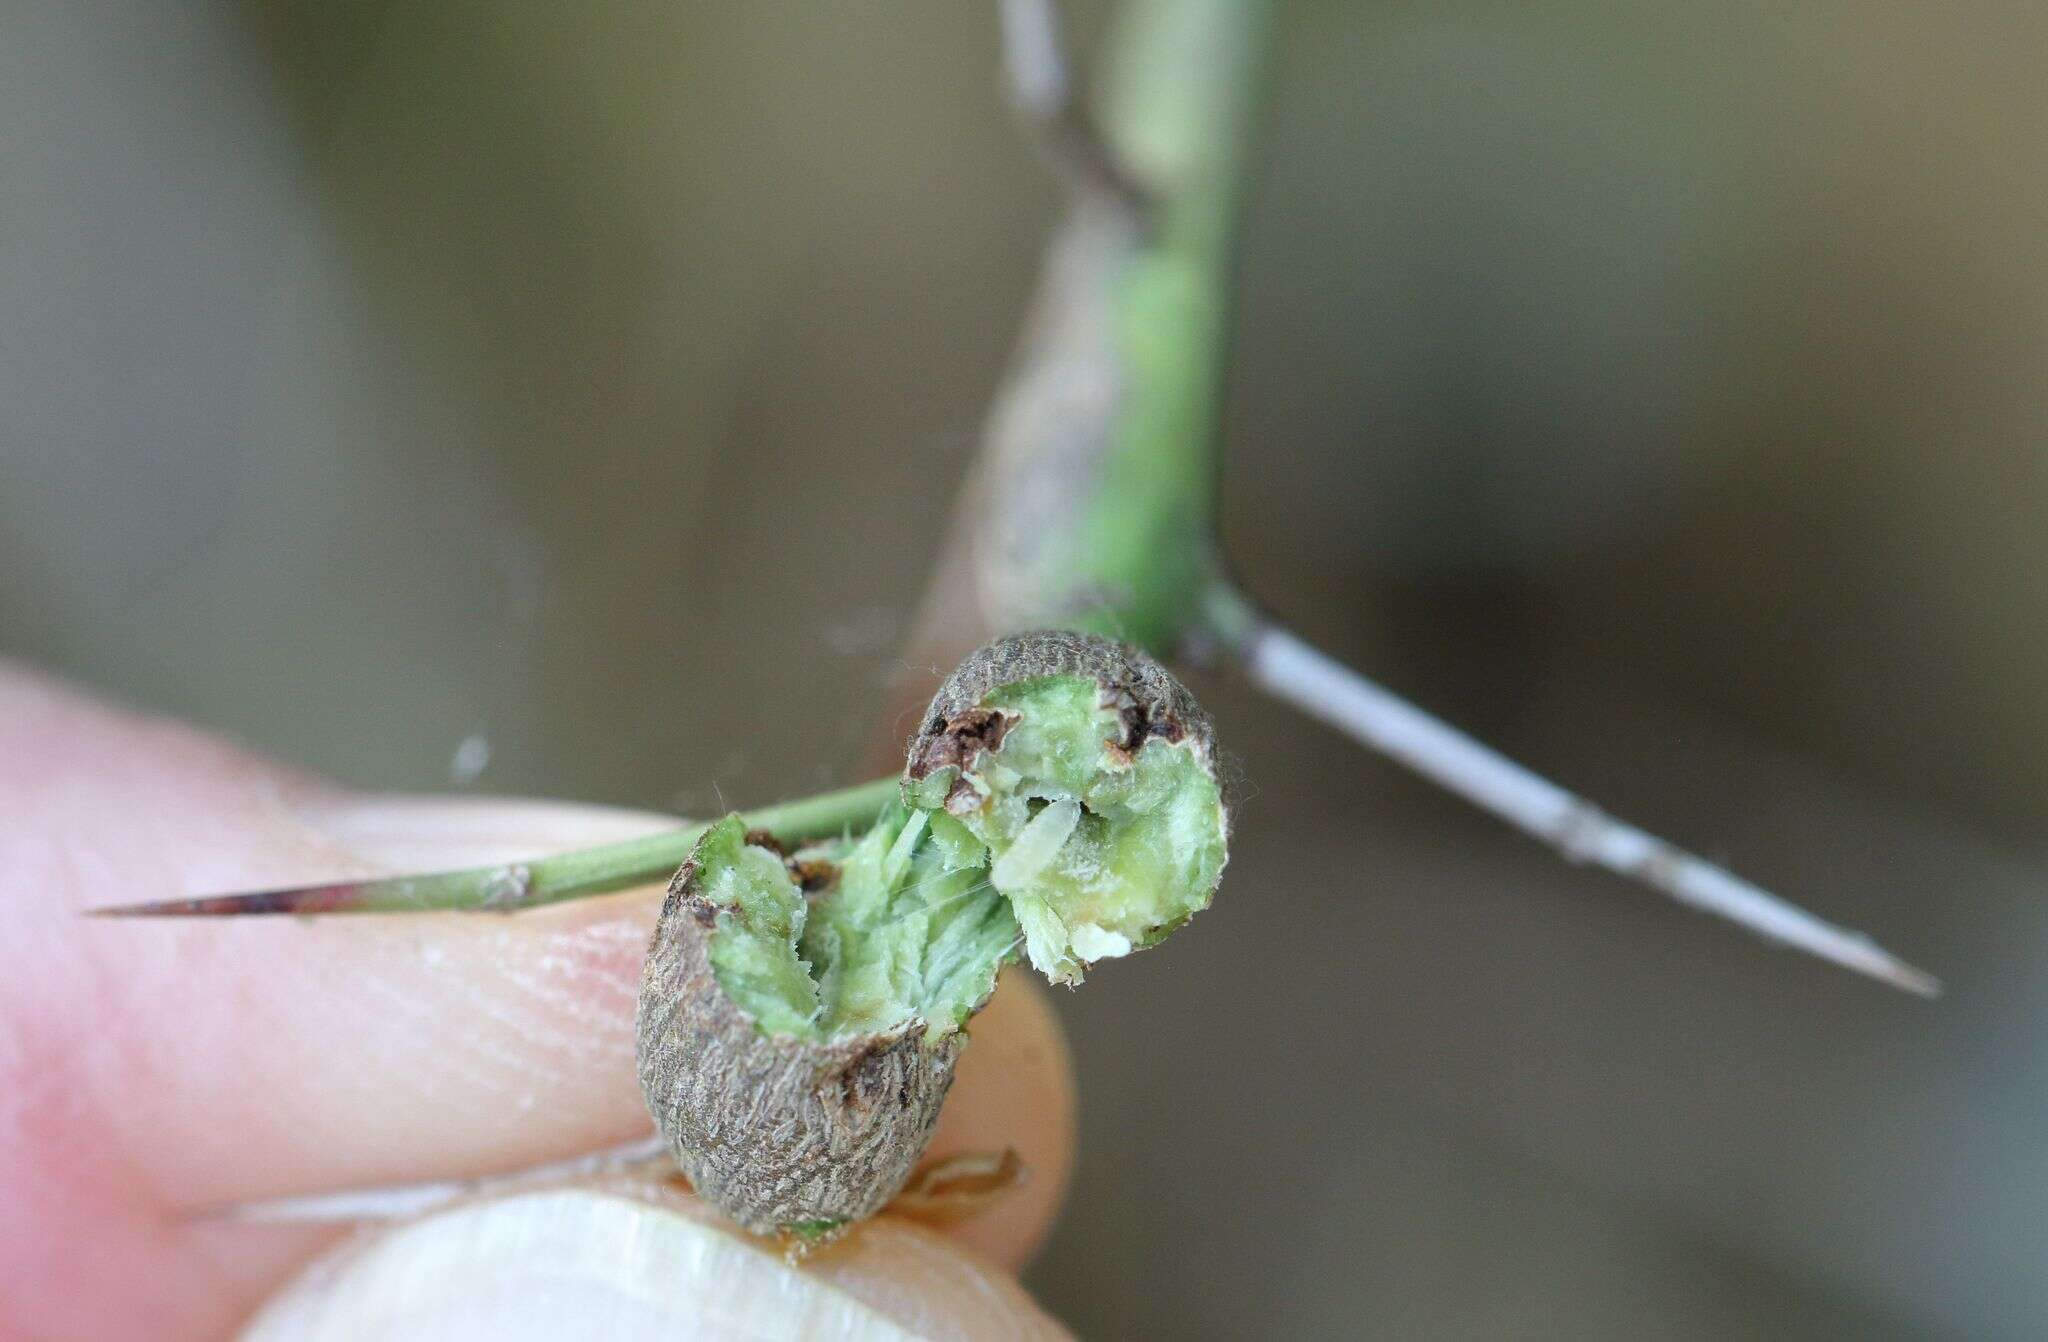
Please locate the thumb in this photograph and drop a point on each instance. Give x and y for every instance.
(633, 1260)
(155, 1069)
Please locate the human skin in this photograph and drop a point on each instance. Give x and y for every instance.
(152, 1070)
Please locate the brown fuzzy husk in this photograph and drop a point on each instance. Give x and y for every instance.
(1151, 702)
(781, 1134)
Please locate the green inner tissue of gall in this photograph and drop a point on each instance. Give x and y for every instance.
(1067, 846)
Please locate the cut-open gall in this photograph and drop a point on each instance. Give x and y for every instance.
(801, 1012)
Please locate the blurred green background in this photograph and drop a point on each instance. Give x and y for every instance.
(1656, 389)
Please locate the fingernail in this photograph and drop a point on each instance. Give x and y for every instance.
(408, 832)
(598, 1262)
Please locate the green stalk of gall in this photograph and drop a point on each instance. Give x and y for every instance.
(802, 1010)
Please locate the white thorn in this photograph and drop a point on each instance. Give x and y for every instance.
(1325, 688)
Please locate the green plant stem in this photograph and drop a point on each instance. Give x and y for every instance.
(1093, 502)
(1179, 84)
(525, 885)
